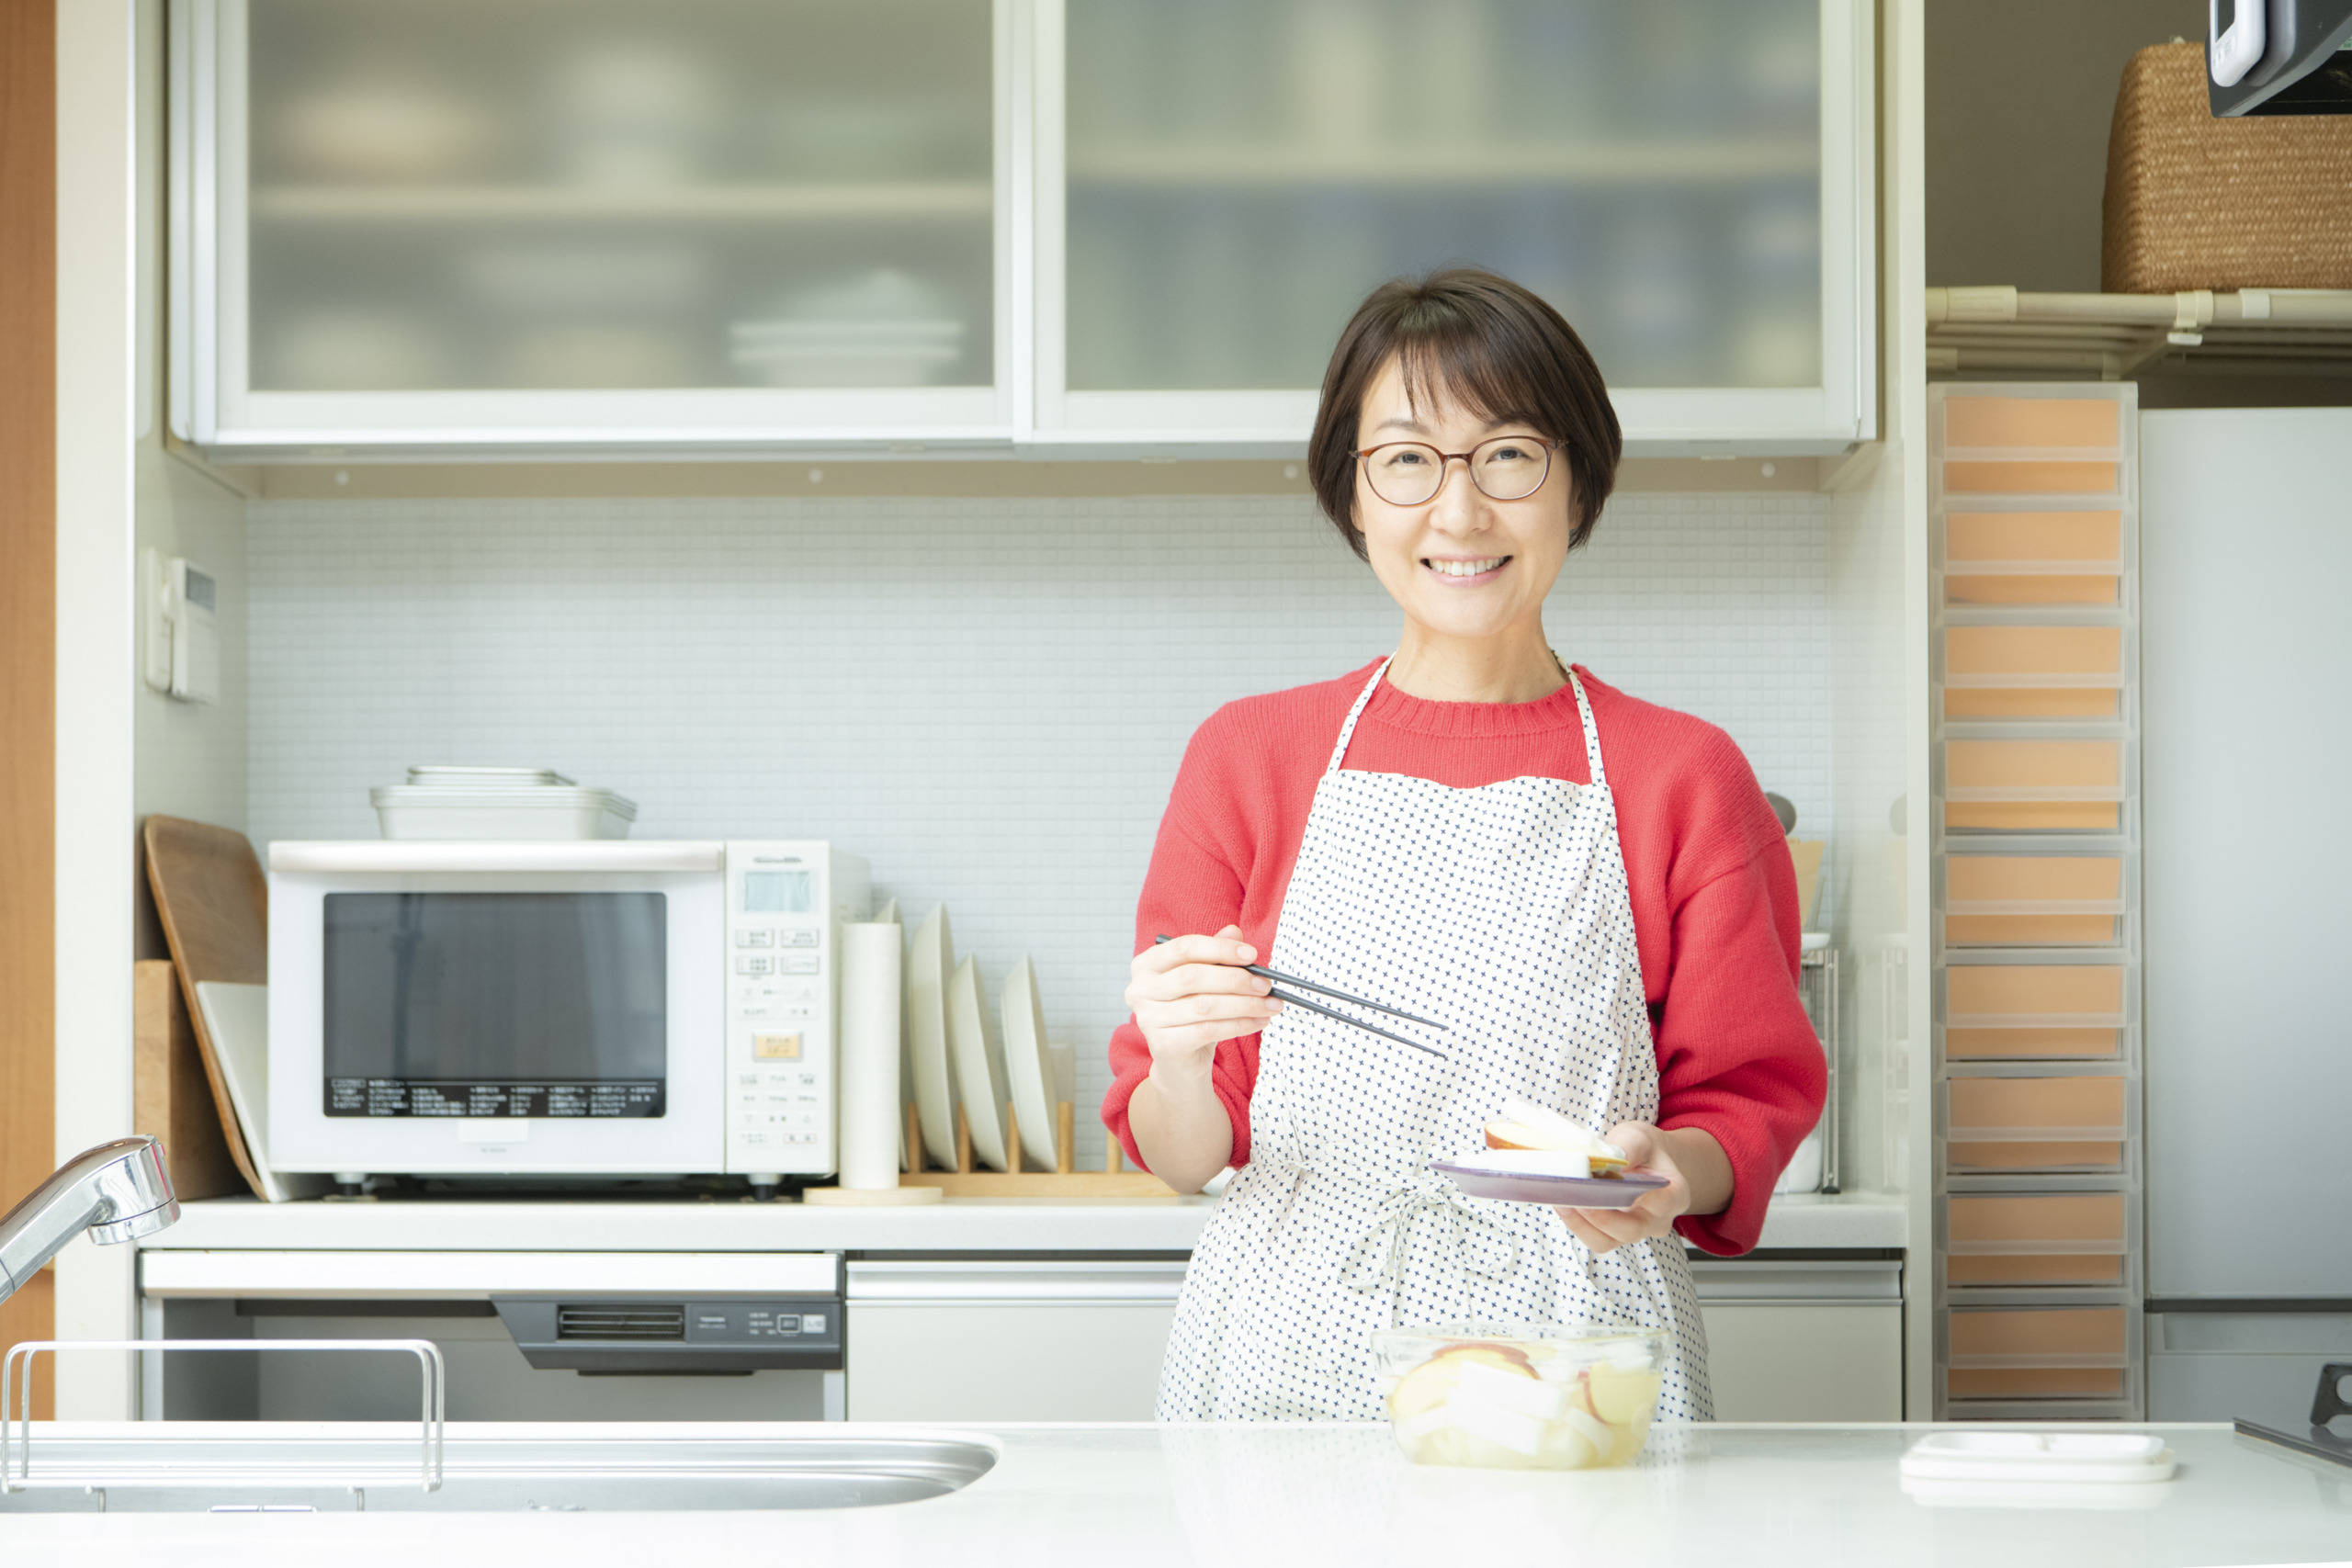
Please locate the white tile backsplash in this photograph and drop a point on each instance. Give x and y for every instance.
(987, 698)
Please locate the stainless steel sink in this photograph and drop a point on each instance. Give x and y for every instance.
(323, 1473)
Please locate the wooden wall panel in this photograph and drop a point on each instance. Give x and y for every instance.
(28, 627)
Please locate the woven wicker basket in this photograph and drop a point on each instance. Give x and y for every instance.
(2196, 202)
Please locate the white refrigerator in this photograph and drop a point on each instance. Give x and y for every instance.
(2247, 759)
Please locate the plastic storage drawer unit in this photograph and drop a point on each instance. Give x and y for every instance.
(2003, 423)
(2036, 1123)
(2029, 672)
(2025, 1011)
(2033, 900)
(2057, 559)
(2037, 1238)
(2042, 1352)
(2012, 446)
(2009, 786)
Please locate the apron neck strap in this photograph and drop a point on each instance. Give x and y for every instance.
(1584, 716)
(1348, 729)
(1592, 731)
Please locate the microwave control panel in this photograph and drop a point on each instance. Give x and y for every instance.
(786, 902)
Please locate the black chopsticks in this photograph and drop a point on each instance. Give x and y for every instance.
(1291, 1000)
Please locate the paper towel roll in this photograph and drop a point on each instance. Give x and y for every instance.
(870, 1121)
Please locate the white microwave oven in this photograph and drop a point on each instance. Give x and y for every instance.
(591, 1008)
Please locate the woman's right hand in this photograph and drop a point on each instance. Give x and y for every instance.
(1190, 993)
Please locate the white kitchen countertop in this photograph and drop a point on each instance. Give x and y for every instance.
(1167, 1225)
(1140, 1495)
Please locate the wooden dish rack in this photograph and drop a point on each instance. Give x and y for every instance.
(967, 1180)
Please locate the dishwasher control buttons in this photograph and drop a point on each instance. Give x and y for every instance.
(765, 1322)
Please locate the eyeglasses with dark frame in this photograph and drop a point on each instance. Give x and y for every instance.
(1411, 473)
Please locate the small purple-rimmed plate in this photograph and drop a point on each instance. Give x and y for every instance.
(1534, 1186)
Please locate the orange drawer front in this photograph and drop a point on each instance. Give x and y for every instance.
(2030, 1353)
(2033, 477)
(2021, 786)
(2022, 424)
(2027, 1010)
(2035, 1382)
(2034, 557)
(2054, 1239)
(2058, 1123)
(2033, 900)
(2057, 1269)
(2034, 672)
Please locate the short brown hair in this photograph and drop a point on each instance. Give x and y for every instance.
(1490, 345)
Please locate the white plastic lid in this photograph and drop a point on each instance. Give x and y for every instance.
(491, 777)
(2033, 1457)
(413, 797)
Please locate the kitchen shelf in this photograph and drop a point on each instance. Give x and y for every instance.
(972, 201)
(2004, 331)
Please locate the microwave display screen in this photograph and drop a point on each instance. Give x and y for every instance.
(496, 1004)
(779, 892)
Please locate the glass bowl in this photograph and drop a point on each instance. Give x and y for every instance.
(1523, 1397)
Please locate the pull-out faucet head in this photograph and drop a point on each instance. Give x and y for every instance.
(118, 1191)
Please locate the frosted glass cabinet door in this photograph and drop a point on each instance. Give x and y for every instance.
(1686, 180)
(507, 222)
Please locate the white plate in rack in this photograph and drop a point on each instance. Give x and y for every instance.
(980, 1065)
(928, 967)
(1029, 1065)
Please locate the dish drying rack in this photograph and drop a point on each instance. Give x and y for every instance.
(15, 1417)
(967, 1180)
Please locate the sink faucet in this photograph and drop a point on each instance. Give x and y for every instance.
(118, 1190)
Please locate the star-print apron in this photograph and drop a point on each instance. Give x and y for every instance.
(1503, 913)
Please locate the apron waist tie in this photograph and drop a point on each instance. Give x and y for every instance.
(1480, 1242)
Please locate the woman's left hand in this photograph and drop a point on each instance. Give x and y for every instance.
(1648, 1149)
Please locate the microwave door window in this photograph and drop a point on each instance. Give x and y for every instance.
(496, 1004)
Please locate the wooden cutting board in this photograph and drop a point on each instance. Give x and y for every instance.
(214, 903)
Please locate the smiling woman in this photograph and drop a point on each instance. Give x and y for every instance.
(1468, 338)
(1613, 941)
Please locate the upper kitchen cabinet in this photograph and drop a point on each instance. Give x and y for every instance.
(1066, 227)
(1688, 181)
(478, 225)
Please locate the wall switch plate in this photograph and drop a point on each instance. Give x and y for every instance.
(182, 654)
(154, 620)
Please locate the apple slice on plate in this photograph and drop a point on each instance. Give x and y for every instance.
(1526, 1125)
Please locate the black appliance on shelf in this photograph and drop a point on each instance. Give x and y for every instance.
(2279, 57)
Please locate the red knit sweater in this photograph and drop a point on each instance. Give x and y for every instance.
(1714, 894)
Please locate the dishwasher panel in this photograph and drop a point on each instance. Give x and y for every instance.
(1048, 1340)
(651, 1336)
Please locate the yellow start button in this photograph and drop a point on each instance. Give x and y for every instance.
(776, 1047)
